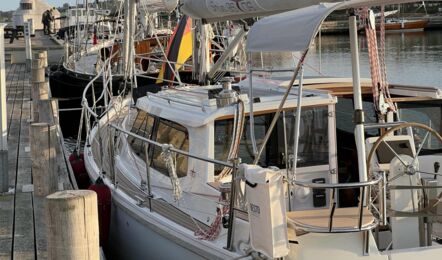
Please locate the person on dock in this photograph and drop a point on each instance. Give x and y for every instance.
(52, 20)
(45, 19)
(14, 35)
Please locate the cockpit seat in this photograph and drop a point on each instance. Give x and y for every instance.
(344, 220)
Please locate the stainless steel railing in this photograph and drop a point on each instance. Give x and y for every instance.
(379, 180)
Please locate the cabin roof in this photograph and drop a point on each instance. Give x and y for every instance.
(195, 106)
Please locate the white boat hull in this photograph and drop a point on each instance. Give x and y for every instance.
(132, 237)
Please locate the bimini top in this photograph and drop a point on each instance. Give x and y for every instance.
(289, 31)
(294, 30)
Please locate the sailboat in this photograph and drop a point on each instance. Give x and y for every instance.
(250, 170)
(86, 53)
(401, 24)
(404, 25)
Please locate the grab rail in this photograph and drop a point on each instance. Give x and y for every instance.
(378, 180)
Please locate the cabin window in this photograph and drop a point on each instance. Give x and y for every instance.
(171, 133)
(313, 139)
(313, 136)
(162, 131)
(142, 126)
(428, 113)
(26, 6)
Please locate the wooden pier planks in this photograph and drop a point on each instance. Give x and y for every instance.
(24, 241)
(22, 219)
(7, 202)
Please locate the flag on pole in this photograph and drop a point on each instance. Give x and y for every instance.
(179, 49)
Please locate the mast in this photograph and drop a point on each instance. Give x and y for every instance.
(128, 40)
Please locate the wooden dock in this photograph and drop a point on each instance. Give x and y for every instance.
(22, 213)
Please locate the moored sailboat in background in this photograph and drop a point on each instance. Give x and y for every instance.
(86, 53)
(405, 25)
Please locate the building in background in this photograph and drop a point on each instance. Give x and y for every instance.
(34, 9)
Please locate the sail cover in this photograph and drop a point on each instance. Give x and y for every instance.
(290, 31)
(222, 10)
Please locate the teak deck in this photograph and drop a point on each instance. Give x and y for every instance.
(22, 220)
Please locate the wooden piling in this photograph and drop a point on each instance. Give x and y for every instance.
(40, 86)
(44, 113)
(38, 70)
(44, 141)
(55, 111)
(72, 218)
(42, 55)
(39, 91)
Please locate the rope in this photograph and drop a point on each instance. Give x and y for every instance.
(170, 161)
(215, 228)
(381, 93)
(238, 128)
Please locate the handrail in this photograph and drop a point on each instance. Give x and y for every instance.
(413, 187)
(382, 125)
(171, 148)
(84, 99)
(313, 185)
(335, 186)
(88, 86)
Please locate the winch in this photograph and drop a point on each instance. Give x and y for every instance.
(227, 96)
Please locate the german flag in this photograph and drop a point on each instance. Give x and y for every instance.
(179, 49)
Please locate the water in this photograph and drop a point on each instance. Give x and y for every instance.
(411, 58)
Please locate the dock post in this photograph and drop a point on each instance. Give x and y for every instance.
(40, 91)
(28, 45)
(4, 180)
(38, 70)
(43, 138)
(55, 111)
(40, 86)
(45, 112)
(42, 55)
(72, 218)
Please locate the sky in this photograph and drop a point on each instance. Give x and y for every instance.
(7, 5)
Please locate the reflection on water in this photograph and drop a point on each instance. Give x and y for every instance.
(411, 58)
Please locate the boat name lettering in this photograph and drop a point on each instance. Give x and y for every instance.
(233, 6)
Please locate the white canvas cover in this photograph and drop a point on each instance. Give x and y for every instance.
(289, 31)
(222, 10)
(267, 211)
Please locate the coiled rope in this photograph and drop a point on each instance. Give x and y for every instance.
(169, 159)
